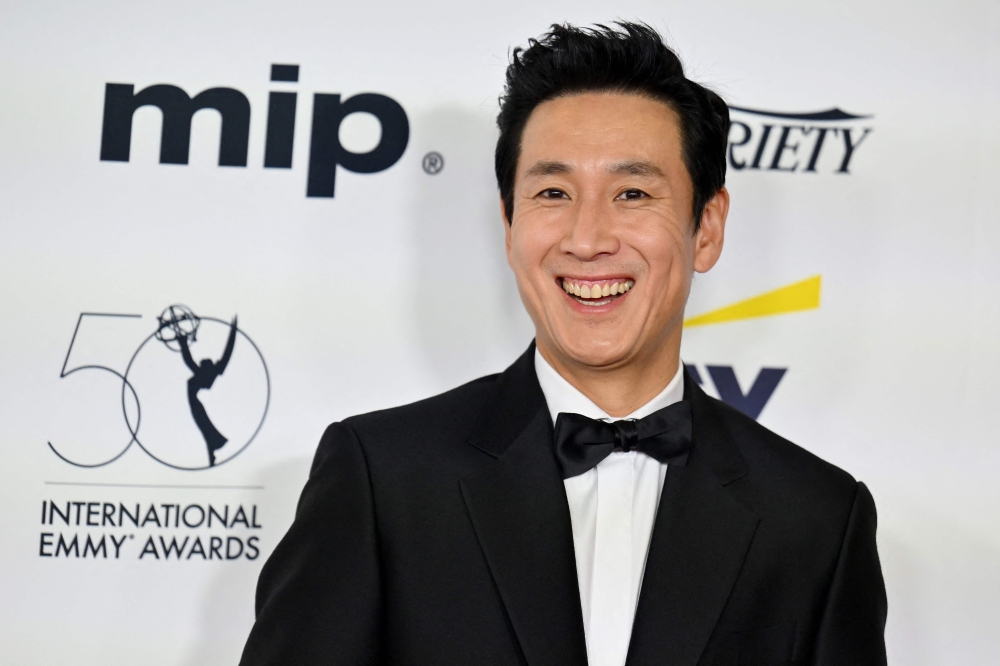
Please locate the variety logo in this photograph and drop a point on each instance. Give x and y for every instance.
(325, 150)
(194, 393)
(795, 142)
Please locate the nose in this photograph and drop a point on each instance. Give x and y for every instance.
(589, 233)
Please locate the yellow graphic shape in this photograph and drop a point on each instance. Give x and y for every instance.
(802, 295)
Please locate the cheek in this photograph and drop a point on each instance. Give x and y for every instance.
(530, 245)
(665, 251)
(525, 265)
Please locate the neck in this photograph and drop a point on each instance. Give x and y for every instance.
(623, 387)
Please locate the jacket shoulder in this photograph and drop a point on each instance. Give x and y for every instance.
(445, 415)
(786, 470)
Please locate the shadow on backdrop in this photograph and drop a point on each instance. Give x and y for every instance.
(466, 308)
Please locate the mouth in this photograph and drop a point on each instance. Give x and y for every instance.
(594, 293)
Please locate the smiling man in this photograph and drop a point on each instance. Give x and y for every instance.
(589, 505)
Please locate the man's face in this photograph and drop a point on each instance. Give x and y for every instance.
(602, 238)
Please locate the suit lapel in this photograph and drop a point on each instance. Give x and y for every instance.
(521, 518)
(699, 542)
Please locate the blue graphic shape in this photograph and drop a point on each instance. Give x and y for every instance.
(753, 401)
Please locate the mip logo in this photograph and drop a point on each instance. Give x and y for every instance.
(795, 142)
(192, 394)
(325, 150)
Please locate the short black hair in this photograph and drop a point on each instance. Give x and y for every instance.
(632, 59)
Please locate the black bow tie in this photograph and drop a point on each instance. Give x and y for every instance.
(581, 442)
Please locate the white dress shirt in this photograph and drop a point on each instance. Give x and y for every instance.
(612, 508)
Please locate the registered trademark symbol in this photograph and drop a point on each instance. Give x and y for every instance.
(433, 163)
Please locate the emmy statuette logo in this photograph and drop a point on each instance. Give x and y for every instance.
(192, 395)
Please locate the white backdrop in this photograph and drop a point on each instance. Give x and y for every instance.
(397, 288)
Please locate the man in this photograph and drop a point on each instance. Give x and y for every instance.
(590, 504)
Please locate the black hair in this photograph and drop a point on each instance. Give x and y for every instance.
(632, 59)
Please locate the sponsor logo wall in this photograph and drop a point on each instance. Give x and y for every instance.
(224, 230)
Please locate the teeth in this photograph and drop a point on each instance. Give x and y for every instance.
(586, 291)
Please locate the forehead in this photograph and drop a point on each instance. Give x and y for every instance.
(593, 129)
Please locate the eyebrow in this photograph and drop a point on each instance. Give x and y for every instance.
(548, 168)
(635, 168)
(630, 168)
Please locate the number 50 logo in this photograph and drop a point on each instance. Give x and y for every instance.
(193, 394)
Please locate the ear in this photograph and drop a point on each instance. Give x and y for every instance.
(711, 234)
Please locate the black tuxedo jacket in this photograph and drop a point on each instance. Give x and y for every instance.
(439, 533)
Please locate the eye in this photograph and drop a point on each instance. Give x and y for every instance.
(632, 194)
(553, 193)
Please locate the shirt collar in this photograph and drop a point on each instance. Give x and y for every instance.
(561, 396)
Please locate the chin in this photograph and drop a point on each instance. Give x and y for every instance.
(601, 354)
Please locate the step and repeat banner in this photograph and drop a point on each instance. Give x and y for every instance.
(226, 225)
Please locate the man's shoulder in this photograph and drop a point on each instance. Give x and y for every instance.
(451, 413)
(781, 469)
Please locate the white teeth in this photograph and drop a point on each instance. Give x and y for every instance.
(596, 291)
